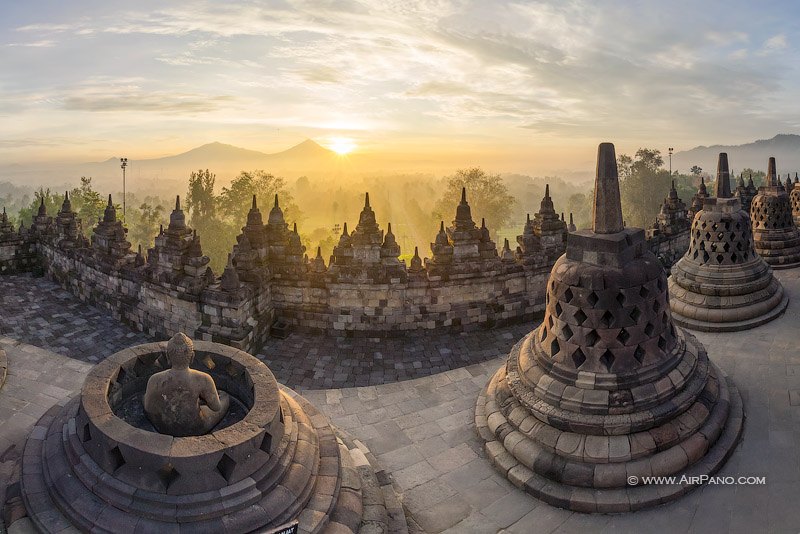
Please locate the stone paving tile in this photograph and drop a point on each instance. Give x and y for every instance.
(27, 394)
(39, 312)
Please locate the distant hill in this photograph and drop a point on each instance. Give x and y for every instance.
(166, 174)
(785, 148)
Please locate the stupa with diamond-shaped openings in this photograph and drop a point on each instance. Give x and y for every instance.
(775, 236)
(607, 387)
(721, 284)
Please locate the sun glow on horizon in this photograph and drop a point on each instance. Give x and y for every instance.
(342, 145)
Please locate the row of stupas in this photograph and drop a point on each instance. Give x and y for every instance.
(273, 249)
(607, 390)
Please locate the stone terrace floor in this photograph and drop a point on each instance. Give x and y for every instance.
(41, 313)
(422, 431)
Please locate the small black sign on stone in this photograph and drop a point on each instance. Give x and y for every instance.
(279, 329)
(288, 528)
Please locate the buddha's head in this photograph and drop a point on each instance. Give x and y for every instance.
(180, 351)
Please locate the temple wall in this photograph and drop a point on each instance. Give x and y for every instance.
(460, 303)
(17, 256)
(669, 249)
(160, 309)
(308, 302)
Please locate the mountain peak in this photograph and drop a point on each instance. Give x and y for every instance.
(783, 146)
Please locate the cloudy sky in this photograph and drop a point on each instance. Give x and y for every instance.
(521, 85)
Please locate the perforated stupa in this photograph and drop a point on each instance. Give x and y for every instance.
(607, 388)
(721, 284)
(775, 236)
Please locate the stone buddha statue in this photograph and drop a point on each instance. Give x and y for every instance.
(182, 401)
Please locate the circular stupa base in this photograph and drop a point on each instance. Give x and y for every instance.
(778, 266)
(596, 473)
(725, 298)
(86, 469)
(731, 326)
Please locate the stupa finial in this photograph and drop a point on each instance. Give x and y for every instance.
(723, 185)
(771, 171)
(607, 208)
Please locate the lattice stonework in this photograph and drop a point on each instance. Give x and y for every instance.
(615, 329)
(770, 212)
(794, 200)
(721, 242)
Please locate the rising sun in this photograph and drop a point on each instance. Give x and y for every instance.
(342, 145)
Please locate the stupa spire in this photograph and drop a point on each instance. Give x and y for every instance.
(772, 173)
(723, 185)
(607, 208)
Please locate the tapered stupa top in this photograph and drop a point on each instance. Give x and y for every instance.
(110, 213)
(607, 209)
(546, 190)
(723, 185)
(344, 231)
(366, 200)
(254, 215)
(772, 173)
(276, 200)
(673, 193)
(463, 212)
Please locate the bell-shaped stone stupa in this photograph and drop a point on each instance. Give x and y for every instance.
(775, 236)
(721, 284)
(794, 199)
(607, 390)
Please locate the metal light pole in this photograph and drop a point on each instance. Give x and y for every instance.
(124, 164)
(670, 160)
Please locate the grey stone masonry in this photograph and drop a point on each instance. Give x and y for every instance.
(794, 199)
(721, 284)
(363, 291)
(607, 387)
(775, 235)
(86, 468)
(698, 198)
(669, 235)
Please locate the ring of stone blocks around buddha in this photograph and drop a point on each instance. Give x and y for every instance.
(85, 466)
(721, 284)
(607, 387)
(363, 290)
(775, 235)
